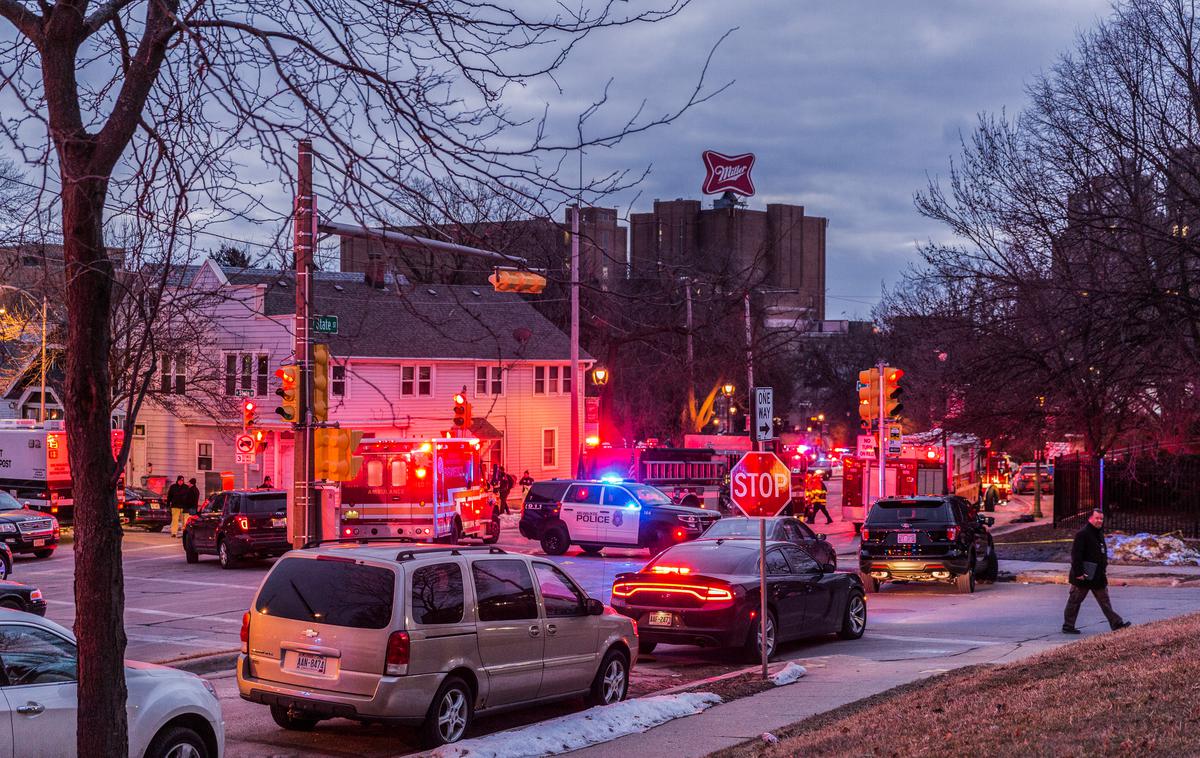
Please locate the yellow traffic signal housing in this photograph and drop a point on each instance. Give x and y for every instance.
(868, 394)
(289, 388)
(333, 454)
(525, 282)
(249, 414)
(462, 412)
(320, 382)
(892, 391)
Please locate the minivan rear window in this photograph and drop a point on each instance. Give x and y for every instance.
(897, 512)
(334, 592)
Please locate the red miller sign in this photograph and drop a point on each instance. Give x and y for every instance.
(728, 173)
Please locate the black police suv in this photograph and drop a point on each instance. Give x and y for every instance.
(707, 593)
(23, 530)
(598, 514)
(779, 528)
(238, 524)
(926, 539)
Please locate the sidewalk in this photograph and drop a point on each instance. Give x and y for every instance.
(1035, 572)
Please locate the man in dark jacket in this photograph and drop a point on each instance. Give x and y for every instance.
(176, 501)
(1089, 560)
(192, 505)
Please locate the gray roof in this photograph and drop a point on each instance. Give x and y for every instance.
(418, 320)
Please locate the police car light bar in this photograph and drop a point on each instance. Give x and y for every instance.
(612, 479)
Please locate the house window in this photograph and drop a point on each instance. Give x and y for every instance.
(246, 373)
(566, 379)
(337, 380)
(489, 380)
(204, 456)
(552, 380)
(416, 381)
(549, 448)
(539, 380)
(174, 371)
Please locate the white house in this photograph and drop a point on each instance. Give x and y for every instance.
(401, 353)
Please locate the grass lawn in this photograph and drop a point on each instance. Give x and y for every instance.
(1133, 692)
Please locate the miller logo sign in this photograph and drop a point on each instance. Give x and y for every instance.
(728, 173)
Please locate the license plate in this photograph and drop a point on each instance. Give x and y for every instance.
(314, 664)
(155, 506)
(660, 618)
(39, 543)
(906, 539)
(279, 522)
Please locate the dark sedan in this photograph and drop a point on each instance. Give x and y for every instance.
(22, 597)
(779, 528)
(26, 531)
(707, 593)
(145, 508)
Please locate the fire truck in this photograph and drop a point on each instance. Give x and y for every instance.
(917, 470)
(689, 476)
(34, 467)
(425, 489)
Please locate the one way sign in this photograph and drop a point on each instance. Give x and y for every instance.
(764, 414)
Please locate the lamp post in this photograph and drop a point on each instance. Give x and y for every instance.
(599, 379)
(32, 299)
(727, 391)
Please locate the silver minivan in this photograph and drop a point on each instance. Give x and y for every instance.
(425, 635)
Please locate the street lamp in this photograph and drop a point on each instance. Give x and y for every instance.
(727, 391)
(599, 376)
(32, 299)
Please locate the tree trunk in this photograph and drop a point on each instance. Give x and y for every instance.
(99, 580)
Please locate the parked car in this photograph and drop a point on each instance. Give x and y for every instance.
(1024, 481)
(707, 593)
(238, 524)
(22, 597)
(171, 713)
(6, 561)
(780, 529)
(425, 635)
(145, 508)
(27, 531)
(598, 514)
(926, 539)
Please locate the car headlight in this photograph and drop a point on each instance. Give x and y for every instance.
(689, 520)
(8, 527)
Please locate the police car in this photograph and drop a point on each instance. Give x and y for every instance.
(609, 513)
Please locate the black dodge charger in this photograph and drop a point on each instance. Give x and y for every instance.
(707, 593)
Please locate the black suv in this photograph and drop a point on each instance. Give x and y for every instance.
(926, 539)
(24, 530)
(238, 524)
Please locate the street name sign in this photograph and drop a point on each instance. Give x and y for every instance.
(760, 484)
(325, 324)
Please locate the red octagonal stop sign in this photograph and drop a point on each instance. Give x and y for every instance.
(760, 484)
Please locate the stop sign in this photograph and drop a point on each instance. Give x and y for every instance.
(760, 484)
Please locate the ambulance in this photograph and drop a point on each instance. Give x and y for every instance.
(424, 489)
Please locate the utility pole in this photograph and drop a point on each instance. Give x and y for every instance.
(691, 355)
(42, 406)
(306, 519)
(575, 382)
(749, 350)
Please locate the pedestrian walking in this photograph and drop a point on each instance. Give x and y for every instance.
(176, 500)
(504, 488)
(1089, 562)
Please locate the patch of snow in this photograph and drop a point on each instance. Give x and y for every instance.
(769, 738)
(578, 730)
(1152, 548)
(509, 520)
(788, 674)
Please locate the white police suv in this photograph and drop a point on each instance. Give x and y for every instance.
(609, 513)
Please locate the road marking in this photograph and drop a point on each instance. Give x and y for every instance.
(189, 641)
(953, 641)
(171, 614)
(210, 585)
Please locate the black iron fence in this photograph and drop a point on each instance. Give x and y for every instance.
(1139, 492)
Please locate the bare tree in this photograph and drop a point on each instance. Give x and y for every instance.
(148, 105)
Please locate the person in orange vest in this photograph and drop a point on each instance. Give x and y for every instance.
(814, 492)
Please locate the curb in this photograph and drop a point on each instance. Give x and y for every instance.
(1162, 580)
(203, 663)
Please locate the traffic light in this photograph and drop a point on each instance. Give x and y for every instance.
(320, 382)
(289, 377)
(892, 391)
(868, 394)
(462, 412)
(333, 454)
(525, 282)
(249, 414)
(260, 440)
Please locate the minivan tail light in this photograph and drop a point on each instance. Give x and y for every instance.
(245, 635)
(952, 533)
(396, 662)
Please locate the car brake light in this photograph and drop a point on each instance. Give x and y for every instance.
(670, 570)
(245, 635)
(243, 523)
(866, 535)
(703, 592)
(952, 533)
(397, 654)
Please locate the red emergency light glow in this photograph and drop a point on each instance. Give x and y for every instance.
(670, 570)
(421, 472)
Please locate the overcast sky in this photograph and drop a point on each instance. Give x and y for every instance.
(848, 106)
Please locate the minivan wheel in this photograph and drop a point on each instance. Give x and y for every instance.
(224, 557)
(449, 714)
(555, 541)
(177, 742)
(611, 684)
(286, 719)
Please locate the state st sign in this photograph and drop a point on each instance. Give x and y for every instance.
(760, 484)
